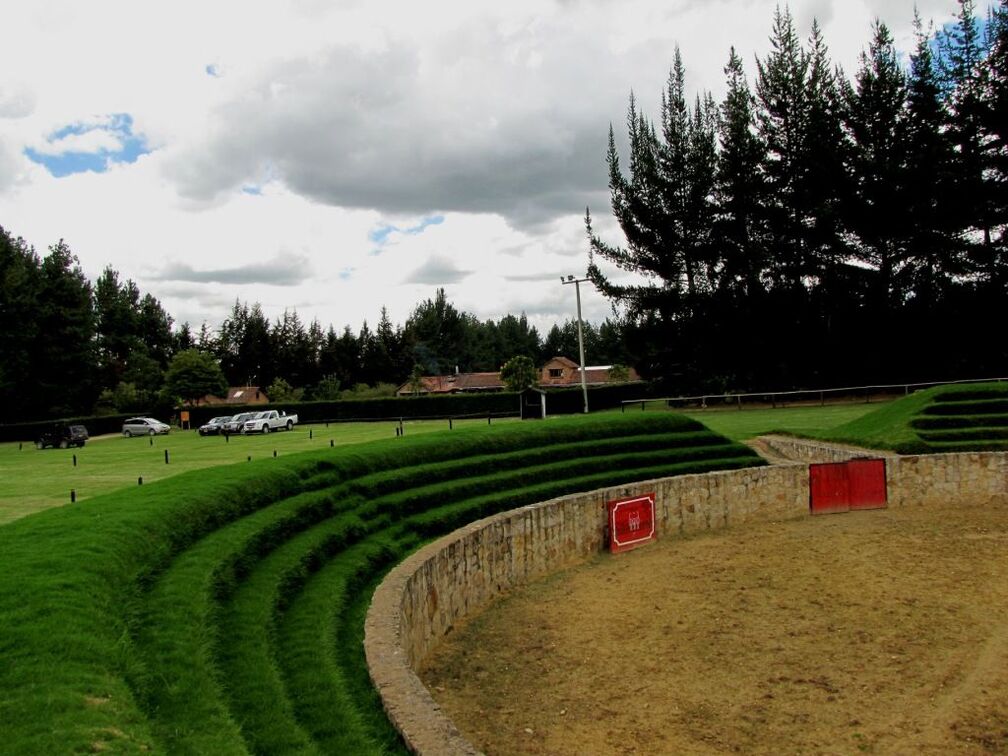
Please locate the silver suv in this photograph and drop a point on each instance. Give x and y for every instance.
(144, 426)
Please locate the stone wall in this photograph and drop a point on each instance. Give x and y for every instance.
(426, 595)
(808, 450)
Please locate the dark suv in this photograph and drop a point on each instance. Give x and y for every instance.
(63, 436)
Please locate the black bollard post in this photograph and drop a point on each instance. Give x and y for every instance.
(450, 424)
(140, 480)
(75, 460)
(488, 419)
(331, 443)
(73, 495)
(166, 456)
(227, 438)
(310, 434)
(19, 447)
(274, 454)
(249, 457)
(151, 440)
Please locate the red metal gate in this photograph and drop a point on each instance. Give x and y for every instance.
(843, 486)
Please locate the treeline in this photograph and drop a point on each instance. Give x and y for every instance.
(69, 346)
(815, 229)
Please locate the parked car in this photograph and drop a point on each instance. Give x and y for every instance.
(269, 420)
(213, 427)
(237, 423)
(63, 436)
(144, 426)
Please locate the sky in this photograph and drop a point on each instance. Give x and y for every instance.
(336, 157)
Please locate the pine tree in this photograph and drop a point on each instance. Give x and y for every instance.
(822, 178)
(739, 190)
(962, 52)
(994, 125)
(932, 251)
(781, 89)
(877, 123)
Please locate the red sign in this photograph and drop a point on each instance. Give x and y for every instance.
(843, 486)
(631, 522)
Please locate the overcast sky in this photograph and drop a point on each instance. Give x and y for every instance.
(334, 157)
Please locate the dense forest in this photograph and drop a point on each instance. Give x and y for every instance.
(809, 230)
(70, 346)
(813, 230)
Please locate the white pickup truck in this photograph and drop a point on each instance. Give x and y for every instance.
(270, 420)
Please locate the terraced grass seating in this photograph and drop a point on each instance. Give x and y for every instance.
(960, 419)
(222, 611)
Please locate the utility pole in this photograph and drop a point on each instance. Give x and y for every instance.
(577, 287)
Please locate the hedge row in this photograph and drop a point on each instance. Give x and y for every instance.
(959, 421)
(558, 402)
(178, 617)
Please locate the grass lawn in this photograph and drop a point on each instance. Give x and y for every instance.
(739, 425)
(36, 480)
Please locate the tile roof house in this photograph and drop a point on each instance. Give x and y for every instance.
(558, 372)
(238, 395)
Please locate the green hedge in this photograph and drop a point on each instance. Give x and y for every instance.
(496, 403)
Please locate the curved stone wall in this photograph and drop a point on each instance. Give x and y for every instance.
(424, 596)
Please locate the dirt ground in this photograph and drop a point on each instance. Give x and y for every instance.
(878, 632)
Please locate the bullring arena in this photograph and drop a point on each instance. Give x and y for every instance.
(749, 626)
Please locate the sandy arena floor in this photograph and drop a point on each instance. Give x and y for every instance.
(878, 632)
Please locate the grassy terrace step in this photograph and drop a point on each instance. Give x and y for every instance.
(908, 425)
(965, 434)
(968, 407)
(981, 391)
(960, 421)
(153, 616)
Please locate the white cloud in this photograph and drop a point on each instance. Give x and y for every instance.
(350, 117)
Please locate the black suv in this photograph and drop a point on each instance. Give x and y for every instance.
(63, 436)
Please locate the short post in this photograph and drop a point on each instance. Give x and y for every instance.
(450, 424)
(73, 495)
(140, 480)
(19, 446)
(331, 443)
(166, 456)
(310, 436)
(227, 438)
(488, 418)
(274, 454)
(75, 460)
(249, 457)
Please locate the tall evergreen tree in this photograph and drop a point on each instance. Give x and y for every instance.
(877, 123)
(739, 189)
(64, 378)
(931, 249)
(962, 52)
(994, 125)
(822, 178)
(781, 90)
(20, 285)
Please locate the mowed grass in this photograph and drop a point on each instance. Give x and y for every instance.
(221, 611)
(740, 425)
(36, 480)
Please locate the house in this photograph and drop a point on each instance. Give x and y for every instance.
(239, 395)
(558, 372)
